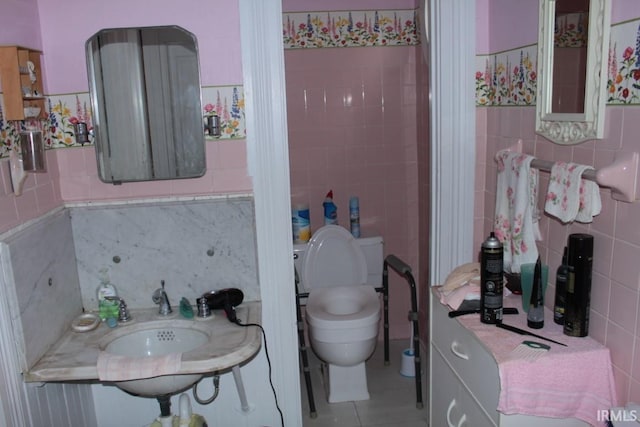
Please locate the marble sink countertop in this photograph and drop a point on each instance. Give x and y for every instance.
(74, 357)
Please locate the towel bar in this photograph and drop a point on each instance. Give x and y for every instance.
(621, 176)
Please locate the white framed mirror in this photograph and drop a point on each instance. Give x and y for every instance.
(573, 41)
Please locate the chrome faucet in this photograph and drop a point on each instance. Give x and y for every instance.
(160, 297)
(123, 311)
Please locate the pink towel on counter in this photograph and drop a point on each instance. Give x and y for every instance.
(569, 197)
(567, 382)
(454, 298)
(113, 367)
(516, 220)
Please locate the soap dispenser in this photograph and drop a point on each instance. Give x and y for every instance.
(106, 309)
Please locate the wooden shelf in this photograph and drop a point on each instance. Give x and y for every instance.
(18, 88)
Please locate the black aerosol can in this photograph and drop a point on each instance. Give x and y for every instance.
(561, 290)
(491, 281)
(578, 294)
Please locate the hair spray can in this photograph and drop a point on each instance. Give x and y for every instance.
(578, 293)
(561, 290)
(491, 282)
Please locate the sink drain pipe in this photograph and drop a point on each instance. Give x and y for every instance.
(216, 390)
(237, 377)
(165, 405)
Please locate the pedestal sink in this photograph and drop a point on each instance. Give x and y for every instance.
(157, 341)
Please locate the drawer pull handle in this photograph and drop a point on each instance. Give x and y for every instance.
(449, 409)
(463, 418)
(455, 349)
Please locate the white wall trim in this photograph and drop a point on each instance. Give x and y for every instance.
(13, 402)
(452, 25)
(268, 158)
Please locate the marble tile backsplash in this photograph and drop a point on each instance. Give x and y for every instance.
(39, 261)
(194, 246)
(51, 267)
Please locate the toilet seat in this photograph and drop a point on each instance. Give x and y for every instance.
(343, 307)
(334, 258)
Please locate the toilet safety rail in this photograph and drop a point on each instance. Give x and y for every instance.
(404, 270)
(302, 348)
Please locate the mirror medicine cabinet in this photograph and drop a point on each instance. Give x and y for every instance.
(145, 94)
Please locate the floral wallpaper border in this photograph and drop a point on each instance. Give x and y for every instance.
(507, 78)
(510, 78)
(623, 76)
(502, 79)
(350, 29)
(63, 111)
(571, 30)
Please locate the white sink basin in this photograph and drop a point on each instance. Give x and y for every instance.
(157, 341)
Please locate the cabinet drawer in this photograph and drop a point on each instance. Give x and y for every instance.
(477, 369)
(451, 403)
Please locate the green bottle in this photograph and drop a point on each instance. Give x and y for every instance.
(106, 309)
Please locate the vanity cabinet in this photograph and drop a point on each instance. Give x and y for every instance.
(22, 89)
(465, 383)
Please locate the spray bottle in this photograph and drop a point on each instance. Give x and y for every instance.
(330, 210)
(491, 281)
(354, 216)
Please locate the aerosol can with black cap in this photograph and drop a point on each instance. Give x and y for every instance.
(491, 280)
(578, 294)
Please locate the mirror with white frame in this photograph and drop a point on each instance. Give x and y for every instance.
(571, 76)
(145, 94)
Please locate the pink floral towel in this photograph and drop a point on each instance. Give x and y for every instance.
(113, 367)
(516, 221)
(569, 197)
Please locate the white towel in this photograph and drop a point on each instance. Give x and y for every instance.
(569, 197)
(516, 220)
(112, 367)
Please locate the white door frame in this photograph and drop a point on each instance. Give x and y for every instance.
(452, 33)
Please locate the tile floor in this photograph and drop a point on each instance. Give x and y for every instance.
(393, 397)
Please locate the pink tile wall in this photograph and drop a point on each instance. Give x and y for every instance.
(615, 295)
(226, 174)
(40, 194)
(72, 177)
(352, 129)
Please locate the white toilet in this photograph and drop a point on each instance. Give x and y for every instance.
(340, 274)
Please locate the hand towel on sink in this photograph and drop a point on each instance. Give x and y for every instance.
(516, 220)
(112, 367)
(569, 197)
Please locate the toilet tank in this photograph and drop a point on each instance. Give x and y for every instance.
(373, 249)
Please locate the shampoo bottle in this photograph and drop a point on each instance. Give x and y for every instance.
(106, 309)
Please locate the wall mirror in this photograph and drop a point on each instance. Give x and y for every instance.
(573, 40)
(145, 95)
